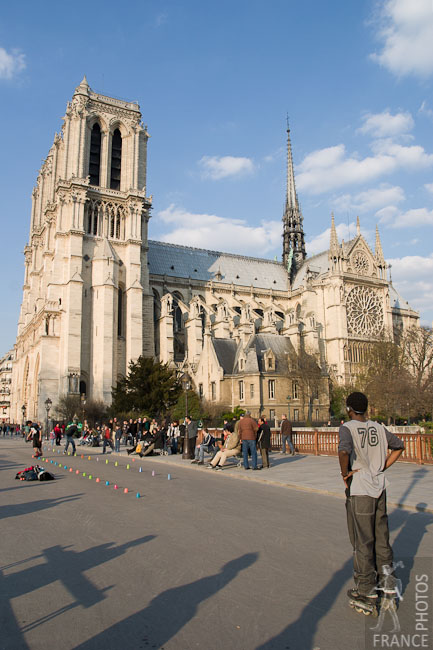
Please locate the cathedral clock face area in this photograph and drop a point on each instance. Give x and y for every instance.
(364, 312)
(360, 262)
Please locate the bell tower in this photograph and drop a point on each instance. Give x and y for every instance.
(86, 310)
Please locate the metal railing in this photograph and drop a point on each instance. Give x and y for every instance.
(418, 446)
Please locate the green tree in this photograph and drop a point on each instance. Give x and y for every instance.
(195, 408)
(236, 413)
(150, 387)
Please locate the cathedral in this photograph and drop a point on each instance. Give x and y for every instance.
(98, 293)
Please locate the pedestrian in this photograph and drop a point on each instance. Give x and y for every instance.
(57, 434)
(118, 433)
(107, 438)
(248, 432)
(174, 433)
(191, 434)
(264, 441)
(363, 455)
(286, 435)
(70, 432)
(36, 437)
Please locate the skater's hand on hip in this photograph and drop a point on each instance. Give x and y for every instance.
(349, 476)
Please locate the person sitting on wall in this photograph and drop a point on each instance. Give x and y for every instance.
(145, 440)
(232, 447)
(157, 442)
(207, 445)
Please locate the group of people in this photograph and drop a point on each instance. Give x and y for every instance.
(243, 437)
(10, 429)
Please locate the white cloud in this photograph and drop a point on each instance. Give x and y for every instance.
(415, 217)
(320, 243)
(217, 167)
(220, 233)
(413, 277)
(406, 32)
(11, 63)
(387, 214)
(383, 125)
(429, 187)
(424, 110)
(331, 168)
(370, 200)
(161, 19)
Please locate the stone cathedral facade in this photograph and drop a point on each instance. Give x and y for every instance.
(98, 293)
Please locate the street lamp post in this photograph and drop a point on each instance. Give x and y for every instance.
(48, 404)
(186, 386)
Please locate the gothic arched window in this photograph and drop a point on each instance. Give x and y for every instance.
(116, 160)
(95, 155)
(121, 311)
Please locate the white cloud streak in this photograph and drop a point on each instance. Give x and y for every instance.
(332, 168)
(218, 167)
(220, 233)
(413, 277)
(413, 218)
(369, 200)
(321, 242)
(11, 63)
(405, 29)
(384, 125)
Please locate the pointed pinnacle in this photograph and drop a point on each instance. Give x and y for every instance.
(378, 247)
(333, 238)
(358, 226)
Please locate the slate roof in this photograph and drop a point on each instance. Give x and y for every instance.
(201, 264)
(397, 302)
(225, 350)
(280, 346)
(317, 264)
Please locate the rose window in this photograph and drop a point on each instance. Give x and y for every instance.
(360, 262)
(364, 312)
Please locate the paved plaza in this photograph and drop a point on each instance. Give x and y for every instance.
(212, 560)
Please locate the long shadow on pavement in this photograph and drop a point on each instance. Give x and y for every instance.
(18, 509)
(168, 612)
(299, 635)
(61, 563)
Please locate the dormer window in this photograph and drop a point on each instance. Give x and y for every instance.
(270, 363)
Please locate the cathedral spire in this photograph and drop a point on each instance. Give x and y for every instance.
(293, 233)
(358, 226)
(291, 197)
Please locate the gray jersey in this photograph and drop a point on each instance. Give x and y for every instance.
(367, 443)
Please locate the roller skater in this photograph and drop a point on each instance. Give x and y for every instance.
(362, 452)
(363, 604)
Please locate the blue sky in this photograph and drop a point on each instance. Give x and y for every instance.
(215, 81)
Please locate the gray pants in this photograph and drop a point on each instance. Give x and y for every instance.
(367, 523)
